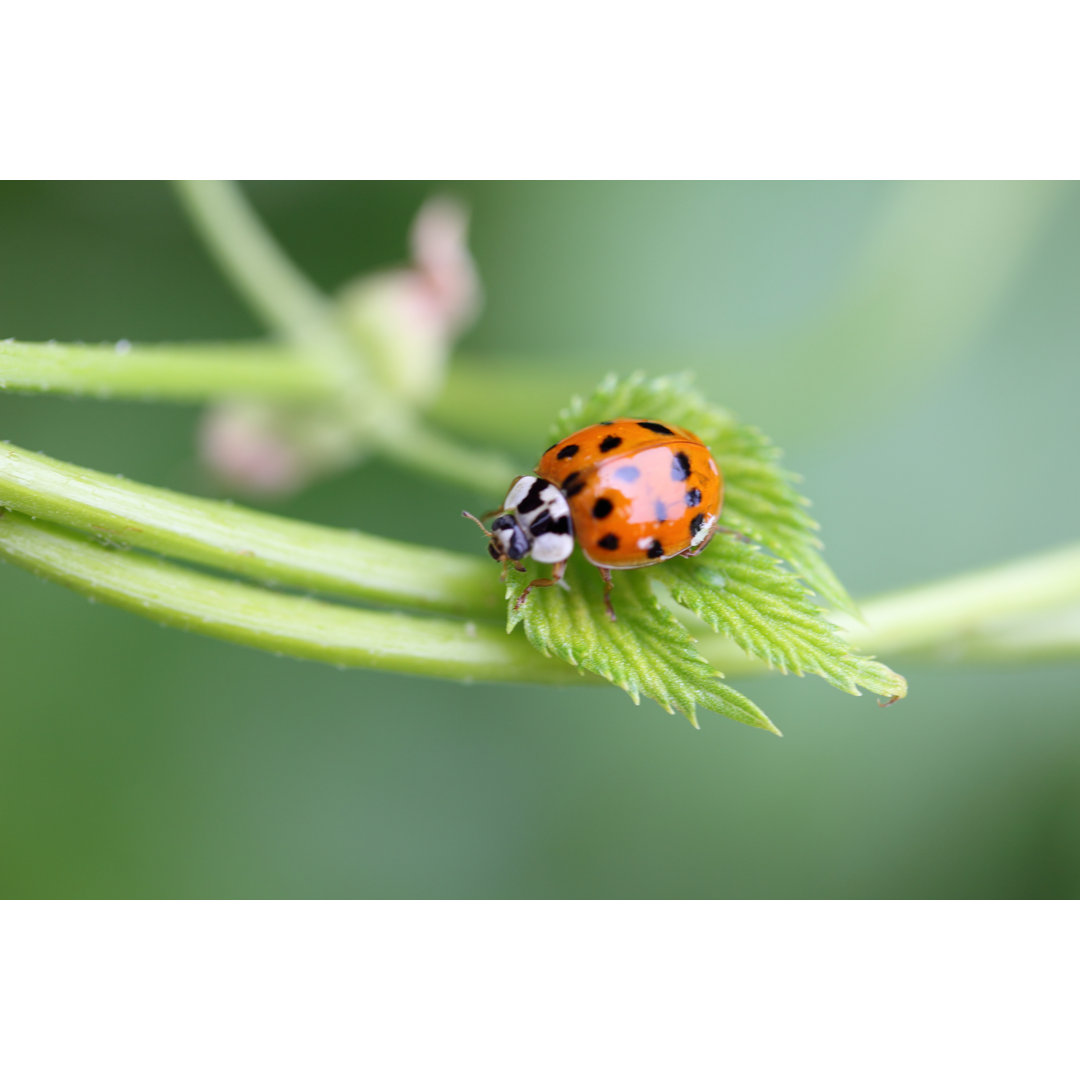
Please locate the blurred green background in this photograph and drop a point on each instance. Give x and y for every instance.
(912, 347)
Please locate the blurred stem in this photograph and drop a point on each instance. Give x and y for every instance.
(290, 625)
(261, 271)
(184, 373)
(289, 304)
(482, 396)
(1007, 612)
(247, 542)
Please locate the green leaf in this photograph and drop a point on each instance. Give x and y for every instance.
(647, 651)
(734, 586)
(742, 592)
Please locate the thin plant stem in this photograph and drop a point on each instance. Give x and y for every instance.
(255, 264)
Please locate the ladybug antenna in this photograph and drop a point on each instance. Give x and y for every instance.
(480, 524)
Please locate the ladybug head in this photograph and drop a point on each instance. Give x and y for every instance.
(509, 540)
(534, 520)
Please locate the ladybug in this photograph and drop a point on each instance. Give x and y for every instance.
(630, 492)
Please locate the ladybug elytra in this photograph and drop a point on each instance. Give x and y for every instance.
(629, 492)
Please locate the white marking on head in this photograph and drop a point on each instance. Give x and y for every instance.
(552, 547)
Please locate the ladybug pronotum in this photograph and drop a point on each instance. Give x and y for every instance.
(629, 492)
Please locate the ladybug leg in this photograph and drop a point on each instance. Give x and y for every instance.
(741, 537)
(557, 572)
(507, 563)
(605, 573)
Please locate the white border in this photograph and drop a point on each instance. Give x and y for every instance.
(535, 989)
(596, 90)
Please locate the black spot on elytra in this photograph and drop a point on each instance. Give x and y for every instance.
(655, 550)
(660, 510)
(680, 467)
(573, 484)
(609, 542)
(693, 497)
(695, 524)
(651, 425)
(601, 508)
(610, 443)
(567, 452)
(628, 474)
(532, 500)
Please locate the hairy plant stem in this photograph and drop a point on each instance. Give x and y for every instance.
(247, 542)
(290, 625)
(1026, 611)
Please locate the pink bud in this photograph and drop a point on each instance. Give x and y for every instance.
(444, 267)
(238, 442)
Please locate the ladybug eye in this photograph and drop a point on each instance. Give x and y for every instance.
(493, 553)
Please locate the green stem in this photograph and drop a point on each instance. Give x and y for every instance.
(418, 447)
(290, 625)
(482, 396)
(183, 373)
(978, 616)
(257, 266)
(248, 542)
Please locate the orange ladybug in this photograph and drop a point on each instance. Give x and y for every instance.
(629, 492)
